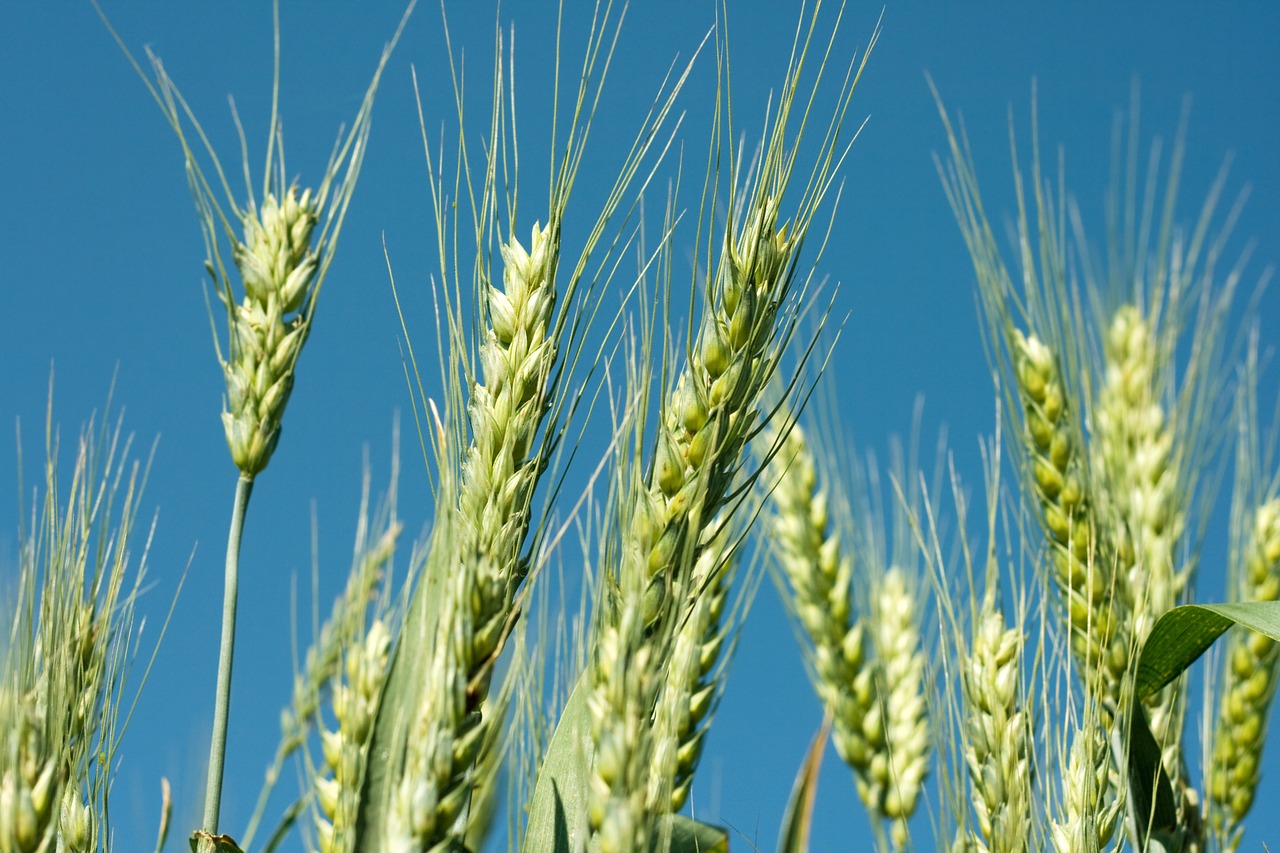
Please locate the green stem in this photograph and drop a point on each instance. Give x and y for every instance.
(222, 700)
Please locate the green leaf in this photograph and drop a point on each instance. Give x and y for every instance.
(1154, 810)
(1178, 640)
(1184, 633)
(558, 810)
(794, 837)
(689, 836)
(401, 694)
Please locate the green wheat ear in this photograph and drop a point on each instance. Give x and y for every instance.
(282, 252)
(66, 648)
(281, 246)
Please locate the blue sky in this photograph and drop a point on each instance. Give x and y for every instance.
(102, 276)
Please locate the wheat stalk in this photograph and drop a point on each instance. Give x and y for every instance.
(282, 273)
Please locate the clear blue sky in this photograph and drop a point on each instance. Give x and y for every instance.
(100, 275)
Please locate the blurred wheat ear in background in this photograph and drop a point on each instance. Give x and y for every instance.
(67, 650)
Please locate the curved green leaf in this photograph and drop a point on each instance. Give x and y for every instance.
(794, 837)
(690, 836)
(1178, 640)
(1184, 633)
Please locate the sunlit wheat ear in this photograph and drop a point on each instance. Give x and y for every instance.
(341, 632)
(1144, 498)
(1249, 685)
(355, 702)
(902, 666)
(625, 685)
(1132, 450)
(270, 325)
(1088, 813)
(712, 411)
(441, 741)
(997, 749)
(67, 649)
(702, 433)
(693, 677)
(285, 243)
(1082, 562)
(818, 571)
(507, 402)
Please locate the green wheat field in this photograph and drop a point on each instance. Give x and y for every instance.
(531, 431)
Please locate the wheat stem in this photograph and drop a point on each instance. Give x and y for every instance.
(226, 654)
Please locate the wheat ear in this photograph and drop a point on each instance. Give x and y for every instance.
(1249, 686)
(63, 666)
(1089, 814)
(682, 716)
(898, 771)
(355, 704)
(1083, 563)
(997, 747)
(704, 428)
(665, 509)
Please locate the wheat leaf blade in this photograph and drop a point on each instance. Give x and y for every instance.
(798, 818)
(1183, 634)
(558, 808)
